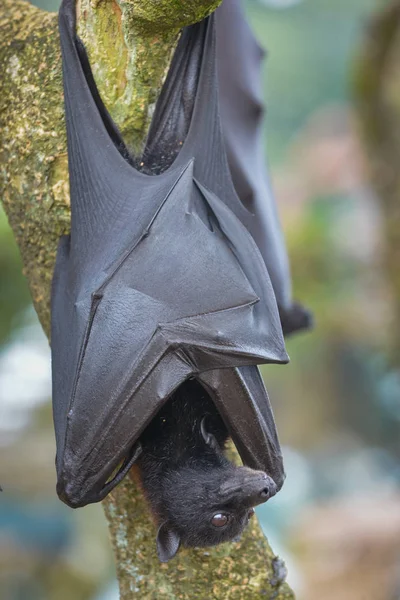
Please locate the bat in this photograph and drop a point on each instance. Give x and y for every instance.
(165, 293)
(159, 280)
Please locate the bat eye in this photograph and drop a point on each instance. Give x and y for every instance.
(219, 520)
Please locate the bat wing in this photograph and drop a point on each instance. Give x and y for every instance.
(238, 77)
(158, 281)
(242, 400)
(239, 64)
(157, 319)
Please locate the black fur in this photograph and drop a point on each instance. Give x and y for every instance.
(188, 480)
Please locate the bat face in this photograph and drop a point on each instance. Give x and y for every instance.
(197, 496)
(210, 508)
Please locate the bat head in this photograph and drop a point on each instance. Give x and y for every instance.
(206, 503)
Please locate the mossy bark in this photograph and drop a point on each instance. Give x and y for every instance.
(129, 71)
(377, 91)
(130, 45)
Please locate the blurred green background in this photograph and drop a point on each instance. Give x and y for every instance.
(337, 521)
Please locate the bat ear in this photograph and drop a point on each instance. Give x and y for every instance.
(168, 542)
(209, 438)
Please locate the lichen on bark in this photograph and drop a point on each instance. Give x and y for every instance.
(33, 161)
(35, 194)
(128, 72)
(130, 45)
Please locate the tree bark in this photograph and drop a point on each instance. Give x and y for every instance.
(130, 46)
(377, 91)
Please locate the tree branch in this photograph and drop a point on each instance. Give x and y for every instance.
(130, 46)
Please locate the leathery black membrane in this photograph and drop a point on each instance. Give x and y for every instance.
(167, 272)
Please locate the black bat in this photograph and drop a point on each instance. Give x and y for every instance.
(159, 282)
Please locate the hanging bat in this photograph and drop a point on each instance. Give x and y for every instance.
(161, 293)
(158, 281)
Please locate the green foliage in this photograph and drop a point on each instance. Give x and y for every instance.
(310, 47)
(47, 4)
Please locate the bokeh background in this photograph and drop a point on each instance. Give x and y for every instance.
(337, 521)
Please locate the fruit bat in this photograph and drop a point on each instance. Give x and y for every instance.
(160, 279)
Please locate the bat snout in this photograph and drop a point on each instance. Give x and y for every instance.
(258, 489)
(249, 486)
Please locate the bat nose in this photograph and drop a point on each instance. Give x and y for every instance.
(249, 486)
(269, 488)
(262, 488)
(265, 493)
